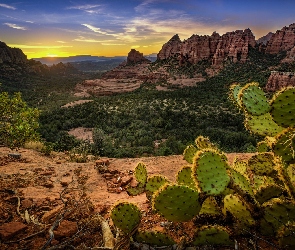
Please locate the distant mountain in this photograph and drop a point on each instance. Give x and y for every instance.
(78, 58)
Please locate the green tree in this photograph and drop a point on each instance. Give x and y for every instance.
(18, 122)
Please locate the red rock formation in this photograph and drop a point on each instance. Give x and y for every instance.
(279, 80)
(263, 40)
(282, 40)
(135, 56)
(11, 55)
(232, 45)
(290, 56)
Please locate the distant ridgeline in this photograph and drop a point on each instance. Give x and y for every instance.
(232, 46)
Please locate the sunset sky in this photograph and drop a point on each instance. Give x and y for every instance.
(112, 27)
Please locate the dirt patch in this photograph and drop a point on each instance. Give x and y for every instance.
(36, 191)
(82, 133)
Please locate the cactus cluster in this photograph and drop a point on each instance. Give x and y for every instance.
(225, 201)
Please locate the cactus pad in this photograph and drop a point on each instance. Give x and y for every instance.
(154, 238)
(262, 125)
(139, 189)
(155, 182)
(285, 145)
(210, 207)
(234, 92)
(240, 166)
(212, 235)
(262, 163)
(204, 142)
(189, 153)
(286, 236)
(277, 213)
(125, 216)
(176, 202)
(209, 169)
(140, 173)
(252, 99)
(262, 147)
(240, 183)
(283, 107)
(184, 177)
(237, 207)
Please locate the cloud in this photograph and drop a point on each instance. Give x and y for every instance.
(98, 30)
(15, 26)
(23, 46)
(89, 8)
(3, 5)
(87, 40)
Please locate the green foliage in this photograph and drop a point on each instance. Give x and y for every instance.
(18, 122)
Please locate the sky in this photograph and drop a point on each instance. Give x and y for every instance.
(44, 28)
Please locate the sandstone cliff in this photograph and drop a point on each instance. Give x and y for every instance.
(11, 55)
(279, 80)
(135, 56)
(231, 46)
(264, 40)
(282, 40)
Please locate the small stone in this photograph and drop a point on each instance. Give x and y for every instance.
(26, 203)
(66, 229)
(9, 230)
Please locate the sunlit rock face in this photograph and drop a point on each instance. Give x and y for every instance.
(232, 46)
(135, 56)
(278, 80)
(282, 40)
(11, 55)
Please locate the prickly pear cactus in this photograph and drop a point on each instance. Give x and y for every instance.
(240, 166)
(140, 173)
(262, 125)
(235, 205)
(155, 182)
(284, 145)
(283, 107)
(133, 191)
(125, 216)
(176, 202)
(277, 212)
(184, 177)
(204, 142)
(234, 92)
(189, 153)
(154, 238)
(240, 183)
(210, 207)
(252, 98)
(286, 236)
(262, 164)
(212, 235)
(262, 147)
(209, 170)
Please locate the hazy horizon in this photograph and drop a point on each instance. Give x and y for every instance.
(103, 28)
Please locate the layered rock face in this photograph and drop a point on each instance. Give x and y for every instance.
(135, 56)
(232, 46)
(282, 40)
(279, 80)
(11, 55)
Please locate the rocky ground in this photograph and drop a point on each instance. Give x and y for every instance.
(44, 196)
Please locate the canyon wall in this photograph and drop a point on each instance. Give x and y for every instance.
(279, 80)
(231, 46)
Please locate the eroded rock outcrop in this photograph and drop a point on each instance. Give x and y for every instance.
(232, 46)
(279, 80)
(282, 40)
(11, 55)
(135, 56)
